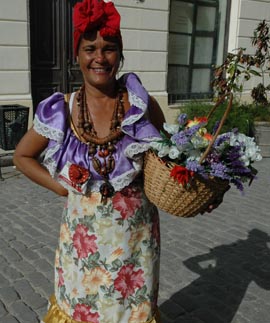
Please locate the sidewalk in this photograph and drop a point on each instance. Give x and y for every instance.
(215, 268)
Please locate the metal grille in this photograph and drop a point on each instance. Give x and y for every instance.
(13, 125)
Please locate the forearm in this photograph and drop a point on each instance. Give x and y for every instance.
(31, 168)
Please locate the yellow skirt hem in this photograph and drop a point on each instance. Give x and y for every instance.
(56, 315)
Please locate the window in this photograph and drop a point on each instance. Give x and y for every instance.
(196, 43)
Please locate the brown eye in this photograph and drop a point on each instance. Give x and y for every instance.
(89, 49)
(111, 49)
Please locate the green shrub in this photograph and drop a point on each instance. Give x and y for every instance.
(260, 112)
(240, 117)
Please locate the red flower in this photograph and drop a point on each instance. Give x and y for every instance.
(78, 174)
(128, 279)
(197, 120)
(181, 174)
(83, 313)
(84, 243)
(126, 202)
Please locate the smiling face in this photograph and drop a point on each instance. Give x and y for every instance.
(99, 60)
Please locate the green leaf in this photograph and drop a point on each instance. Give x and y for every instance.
(255, 73)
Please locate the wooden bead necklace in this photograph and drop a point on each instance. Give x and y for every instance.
(103, 147)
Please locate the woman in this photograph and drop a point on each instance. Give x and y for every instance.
(107, 262)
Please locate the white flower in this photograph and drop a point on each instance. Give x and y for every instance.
(251, 152)
(194, 155)
(164, 151)
(172, 129)
(198, 141)
(174, 152)
(162, 148)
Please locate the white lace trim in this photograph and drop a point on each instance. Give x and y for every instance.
(137, 148)
(47, 131)
(49, 162)
(139, 103)
(118, 183)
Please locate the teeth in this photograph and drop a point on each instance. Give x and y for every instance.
(100, 69)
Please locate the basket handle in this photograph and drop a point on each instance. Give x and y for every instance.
(206, 152)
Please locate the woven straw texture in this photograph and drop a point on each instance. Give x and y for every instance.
(163, 191)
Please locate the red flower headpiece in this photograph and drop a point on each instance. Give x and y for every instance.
(95, 15)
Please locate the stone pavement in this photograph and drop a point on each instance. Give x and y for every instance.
(214, 268)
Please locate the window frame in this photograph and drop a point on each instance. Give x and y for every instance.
(175, 97)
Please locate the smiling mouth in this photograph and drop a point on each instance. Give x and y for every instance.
(101, 69)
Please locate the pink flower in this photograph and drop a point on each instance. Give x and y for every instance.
(83, 313)
(128, 279)
(155, 228)
(84, 243)
(126, 202)
(60, 277)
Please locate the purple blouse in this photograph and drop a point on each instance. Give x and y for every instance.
(51, 121)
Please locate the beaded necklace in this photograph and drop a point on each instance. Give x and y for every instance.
(103, 147)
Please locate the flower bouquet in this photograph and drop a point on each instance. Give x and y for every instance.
(191, 168)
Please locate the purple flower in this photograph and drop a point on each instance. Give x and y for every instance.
(239, 185)
(182, 119)
(225, 137)
(234, 153)
(219, 170)
(194, 166)
(192, 130)
(213, 157)
(180, 138)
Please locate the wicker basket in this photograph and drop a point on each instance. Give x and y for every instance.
(166, 193)
(163, 191)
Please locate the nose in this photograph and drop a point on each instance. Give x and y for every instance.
(100, 57)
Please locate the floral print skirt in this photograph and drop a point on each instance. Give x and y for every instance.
(107, 263)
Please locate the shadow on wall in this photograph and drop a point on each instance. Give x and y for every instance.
(225, 274)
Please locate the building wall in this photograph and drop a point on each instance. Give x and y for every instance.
(144, 28)
(245, 16)
(145, 36)
(14, 53)
(145, 33)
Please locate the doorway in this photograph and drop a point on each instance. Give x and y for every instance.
(53, 65)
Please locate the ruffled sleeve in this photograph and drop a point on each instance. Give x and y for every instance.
(139, 130)
(50, 117)
(51, 122)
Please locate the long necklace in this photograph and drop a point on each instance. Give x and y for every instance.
(103, 147)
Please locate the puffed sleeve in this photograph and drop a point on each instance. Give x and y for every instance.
(50, 117)
(139, 130)
(51, 122)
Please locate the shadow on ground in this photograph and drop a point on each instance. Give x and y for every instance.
(225, 274)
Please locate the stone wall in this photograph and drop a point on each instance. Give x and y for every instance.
(14, 53)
